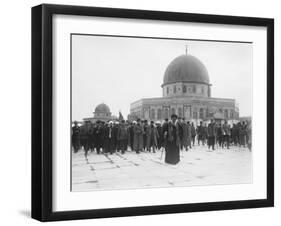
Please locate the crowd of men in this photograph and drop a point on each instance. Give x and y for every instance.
(171, 135)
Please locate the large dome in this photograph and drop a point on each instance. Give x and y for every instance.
(186, 68)
(102, 108)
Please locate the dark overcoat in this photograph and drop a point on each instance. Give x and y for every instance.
(138, 137)
(173, 144)
(151, 135)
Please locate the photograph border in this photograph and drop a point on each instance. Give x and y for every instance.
(42, 108)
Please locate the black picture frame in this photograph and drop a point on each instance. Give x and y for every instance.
(42, 107)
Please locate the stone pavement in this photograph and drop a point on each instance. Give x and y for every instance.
(198, 166)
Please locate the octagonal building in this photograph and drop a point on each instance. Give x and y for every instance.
(186, 91)
(101, 113)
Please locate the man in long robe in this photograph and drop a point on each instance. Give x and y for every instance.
(138, 137)
(173, 141)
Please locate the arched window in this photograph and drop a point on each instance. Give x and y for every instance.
(180, 112)
(184, 89)
(194, 89)
(175, 89)
(226, 113)
(173, 111)
(201, 113)
(207, 113)
(166, 113)
(202, 90)
(159, 114)
(195, 114)
(231, 114)
(167, 90)
(152, 114)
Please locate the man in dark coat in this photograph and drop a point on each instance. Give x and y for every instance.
(235, 134)
(173, 142)
(165, 129)
(75, 137)
(110, 138)
(106, 138)
(211, 132)
(145, 125)
(249, 135)
(189, 135)
(205, 128)
(160, 136)
(193, 133)
(179, 123)
(138, 137)
(184, 134)
(200, 133)
(91, 137)
(131, 136)
(219, 135)
(152, 137)
(99, 135)
(122, 136)
(226, 135)
(242, 134)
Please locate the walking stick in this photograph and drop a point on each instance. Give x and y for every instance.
(162, 153)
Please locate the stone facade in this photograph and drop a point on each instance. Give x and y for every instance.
(192, 108)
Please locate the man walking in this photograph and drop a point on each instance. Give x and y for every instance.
(211, 132)
(122, 136)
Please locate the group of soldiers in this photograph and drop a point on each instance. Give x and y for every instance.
(171, 135)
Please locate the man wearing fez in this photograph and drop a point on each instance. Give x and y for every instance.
(211, 133)
(75, 137)
(138, 136)
(173, 141)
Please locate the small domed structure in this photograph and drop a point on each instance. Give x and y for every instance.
(102, 113)
(186, 75)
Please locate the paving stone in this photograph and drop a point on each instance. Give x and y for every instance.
(197, 167)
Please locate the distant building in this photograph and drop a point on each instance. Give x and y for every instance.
(186, 91)
(101, 113)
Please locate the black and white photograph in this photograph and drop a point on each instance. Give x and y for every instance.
(160, 112)
(142, 112)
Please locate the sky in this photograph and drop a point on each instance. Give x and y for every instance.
(120, 70)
